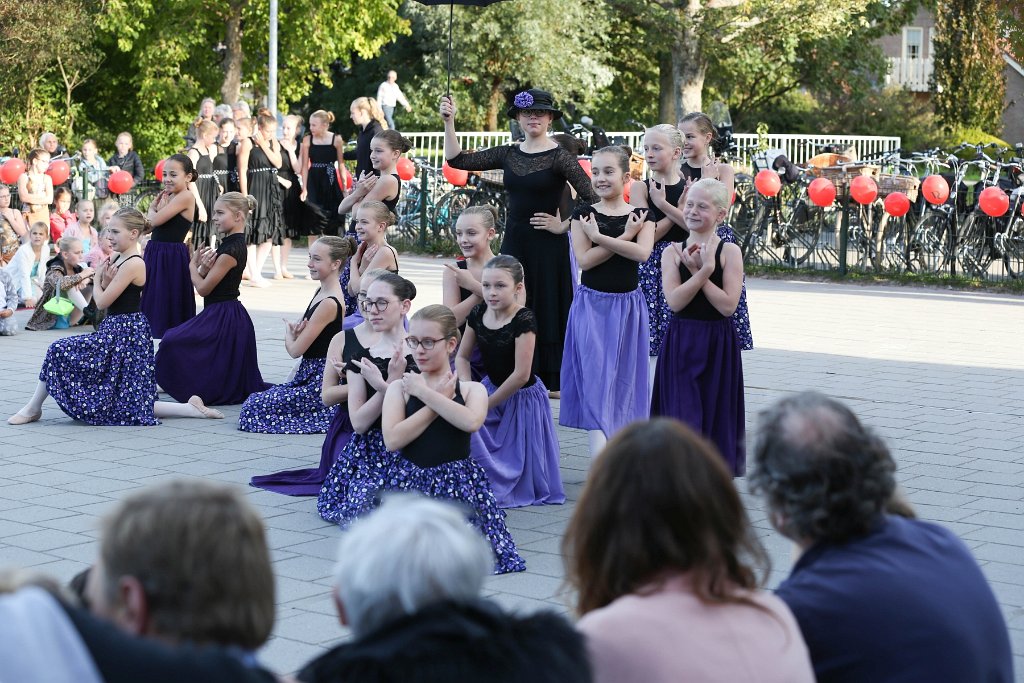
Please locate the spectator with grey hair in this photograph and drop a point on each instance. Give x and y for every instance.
(240, 110)
(220, 112)
(879, 597)
(408, 584)
(51, 144)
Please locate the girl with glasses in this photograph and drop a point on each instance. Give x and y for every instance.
(295, 406)
(429, 417)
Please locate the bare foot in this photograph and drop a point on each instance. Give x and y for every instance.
(203, 410)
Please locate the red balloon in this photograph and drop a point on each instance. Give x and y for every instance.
(58, 171)
(12, 170)
(159, 170)
(585, 165)
(822, 192)
(625, 190)
(455, 176)
(935, 189)
(863, 189)
(897, 204)
(120, 182)
(406, 168)
(768, 183)
(993, 201)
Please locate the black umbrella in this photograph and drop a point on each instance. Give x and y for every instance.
(451, 18)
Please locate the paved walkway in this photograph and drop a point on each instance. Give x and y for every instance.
(940, 374)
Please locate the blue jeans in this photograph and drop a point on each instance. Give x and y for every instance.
(389, 115)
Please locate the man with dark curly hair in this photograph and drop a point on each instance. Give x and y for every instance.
(879, 596)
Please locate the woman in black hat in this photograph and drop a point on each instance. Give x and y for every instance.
(536, 171)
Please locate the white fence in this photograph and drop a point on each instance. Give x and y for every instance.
(799, 148)
(911, 73)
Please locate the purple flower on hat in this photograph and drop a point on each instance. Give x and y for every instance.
(523, 100)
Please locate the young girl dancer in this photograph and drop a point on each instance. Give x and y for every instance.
(698, 132)
(372, 221)
(362, 466)
(699, 379)
(383, 183)
(213, 355)
(64, 273)
(607, 343)
(292, 209)
(203, 154)
(225, 164)
(295, 406)
(345, 346)
(35, 188)
(663, 147)
(429, 416)
(258, 160)
(169, 300)
(519, 434)
(460, 283)
(106, 378)
(320, 162)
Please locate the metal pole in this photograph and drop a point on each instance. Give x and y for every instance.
(272, 62)
(844, 236)
(451, 20)
(424, 198)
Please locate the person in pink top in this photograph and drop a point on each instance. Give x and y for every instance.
(662, 557)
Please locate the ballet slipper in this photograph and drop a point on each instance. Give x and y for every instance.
(287, 276)
(19, 419)
(278, 276)
(206, 412)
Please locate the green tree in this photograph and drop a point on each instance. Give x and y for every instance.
(969, 81)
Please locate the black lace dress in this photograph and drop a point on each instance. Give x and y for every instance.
(267, 219)
(535, 184)
(293, 210)
(209, 190)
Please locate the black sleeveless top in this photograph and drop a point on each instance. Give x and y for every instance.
(618, 274)
(220, 167)
(690, 172)
(382, 365)
(318, 349)
(441, 442)
(498, 347)
(676, 233)
(128, 301)
(699, 307)
(323, 155)
(463, 293)
(227, 288)
(174, 230)
(392, 204)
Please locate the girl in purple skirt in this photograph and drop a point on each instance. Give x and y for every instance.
(169, 300)
(460, 283)
(521, 448)
(295, 406)
(213, 355)
(699, 379)
(107, 377)
(607, 342)
(429, 416)
(346, 346)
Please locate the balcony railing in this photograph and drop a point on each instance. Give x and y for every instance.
(912, 74)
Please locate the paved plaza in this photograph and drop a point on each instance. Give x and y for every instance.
(940, 374)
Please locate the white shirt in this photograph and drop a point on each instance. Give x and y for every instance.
(389, 94)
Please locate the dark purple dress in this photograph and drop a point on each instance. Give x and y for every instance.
(213, 355)
(308, 482)
(699, 379)
(535, 183)
(169, 298)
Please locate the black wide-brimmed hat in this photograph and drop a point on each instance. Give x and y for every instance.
(533, 99)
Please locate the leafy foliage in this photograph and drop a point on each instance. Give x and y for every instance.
(969, 82)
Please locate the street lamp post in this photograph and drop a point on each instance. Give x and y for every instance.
(272, 61)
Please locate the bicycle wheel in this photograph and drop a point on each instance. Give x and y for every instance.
(448, 210)
(893, 244)
(927, 246)
(741, 214)
(974, 248)
(1012, 244)
(801, 234)
(409, 212)
(143, 199)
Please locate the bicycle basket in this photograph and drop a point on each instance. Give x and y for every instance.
(908, 185)
(826, 160)
(637, 166)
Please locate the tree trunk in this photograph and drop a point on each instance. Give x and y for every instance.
(230, 90)
(688, 64)
(666, 90)
(493, 107)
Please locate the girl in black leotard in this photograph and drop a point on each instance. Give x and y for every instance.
(429, 417)
(295, 406)
(203, 154)
(106, 378)
(371, 224)
(460, 285)
(383, 184)
(320, 162)
(258, 160)
(170, 300)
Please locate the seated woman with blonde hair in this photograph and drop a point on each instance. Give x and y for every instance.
(668, 593)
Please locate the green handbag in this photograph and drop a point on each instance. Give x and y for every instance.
(59, 305)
